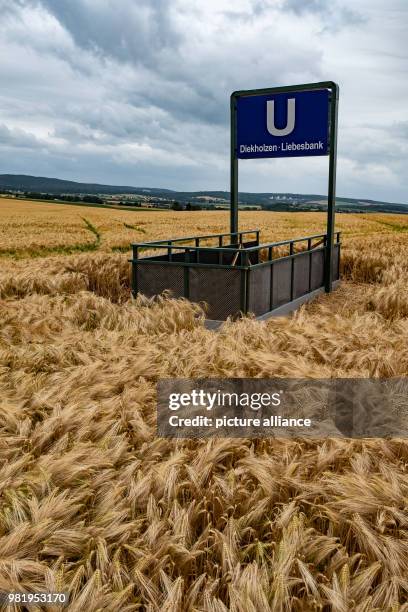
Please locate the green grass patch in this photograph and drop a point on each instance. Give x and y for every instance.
(45, 251)
(126, 249)
(92, 229)
(121, 249)
(396, 227)
(137, 228)
(57, 250)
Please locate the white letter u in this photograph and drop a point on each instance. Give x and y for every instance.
(270, 118)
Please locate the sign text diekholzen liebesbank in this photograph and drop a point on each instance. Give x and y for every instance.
(283, 125)
(285, 146)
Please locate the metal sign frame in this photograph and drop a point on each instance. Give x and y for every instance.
(331, 194)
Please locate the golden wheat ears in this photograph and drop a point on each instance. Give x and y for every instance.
(92, 503)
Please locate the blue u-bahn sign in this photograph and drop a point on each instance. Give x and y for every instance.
(288, 121)
(283, 124)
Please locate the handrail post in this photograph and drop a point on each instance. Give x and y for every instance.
(292, 270)
(134, 270)
(309, 248)
(187, 273)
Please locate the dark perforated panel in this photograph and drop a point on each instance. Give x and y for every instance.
(336, 255)
(214, 256)
(281, 282)
(259, 290)
(301, 275)
(211, 257)
(220, 288)
(317, 276)
(153, 279)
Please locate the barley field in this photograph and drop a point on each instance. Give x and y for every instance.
(92, 503)
(32, 229)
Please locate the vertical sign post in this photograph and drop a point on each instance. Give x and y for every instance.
(331, 193)
(291, 121)
(234, 170)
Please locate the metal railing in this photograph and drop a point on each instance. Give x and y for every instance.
(197, 239)
(241, 253)
(237, 263)
(178, 245)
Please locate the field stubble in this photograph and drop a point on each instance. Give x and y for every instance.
(93, 503)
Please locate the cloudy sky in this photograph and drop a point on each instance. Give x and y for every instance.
(136, 92)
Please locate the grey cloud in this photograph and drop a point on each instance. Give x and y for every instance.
(80, 165)
(334, 14)
(304, 6)
(18, 138)
(399, 129)
(130, 31)
(182, 76)
(136, 92)
(11, 8)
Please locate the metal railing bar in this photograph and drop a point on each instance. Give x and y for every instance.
(147, 245)
(147, 260)
(164, 244)
(283, 242)
(284, 258)
(172, 240)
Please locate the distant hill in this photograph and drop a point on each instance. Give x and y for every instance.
(208, 199)
(43, 184)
